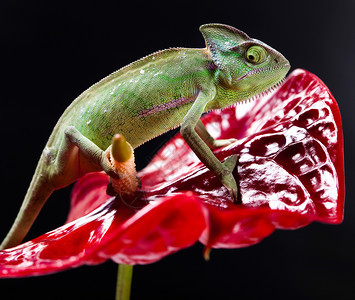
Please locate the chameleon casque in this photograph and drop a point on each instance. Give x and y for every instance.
(147, 98)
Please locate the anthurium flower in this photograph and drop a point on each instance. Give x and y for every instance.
(290, 173)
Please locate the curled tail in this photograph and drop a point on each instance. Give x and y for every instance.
(37, 194)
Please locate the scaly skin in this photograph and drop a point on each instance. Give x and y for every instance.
(147, 98)
(124, 102)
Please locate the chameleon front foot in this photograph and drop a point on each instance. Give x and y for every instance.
(227, 179)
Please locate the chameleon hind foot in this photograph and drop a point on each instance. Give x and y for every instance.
(117, 161)
(77, 155)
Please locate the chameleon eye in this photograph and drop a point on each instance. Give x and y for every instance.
(256, 54)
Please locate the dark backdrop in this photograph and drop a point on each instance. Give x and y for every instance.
(52, 51)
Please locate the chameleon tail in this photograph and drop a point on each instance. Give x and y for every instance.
(36, 196)
(121, 160)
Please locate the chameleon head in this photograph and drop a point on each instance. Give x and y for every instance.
(244, 64)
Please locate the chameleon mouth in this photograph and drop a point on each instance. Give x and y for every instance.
(268, 91)
(261, 94)
(264, 69)
(257, 96)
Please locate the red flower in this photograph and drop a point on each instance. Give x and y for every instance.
(290, 173)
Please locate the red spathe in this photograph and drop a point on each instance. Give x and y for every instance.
(290, 173)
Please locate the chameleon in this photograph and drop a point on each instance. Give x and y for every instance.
(146, 98)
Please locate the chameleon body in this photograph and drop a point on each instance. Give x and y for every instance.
(147, 98)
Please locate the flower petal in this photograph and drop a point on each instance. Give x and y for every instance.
(290, 173)
(160, 228)
(114, 230)
(68, 246)
(88, 195)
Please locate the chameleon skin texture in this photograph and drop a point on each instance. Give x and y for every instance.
(139, 101)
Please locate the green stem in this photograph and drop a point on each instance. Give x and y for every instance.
(124, 281)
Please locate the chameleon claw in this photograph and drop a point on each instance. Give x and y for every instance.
(231, 186)
(229, 180)
(234, 195)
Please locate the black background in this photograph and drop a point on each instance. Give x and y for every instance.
(52, 51)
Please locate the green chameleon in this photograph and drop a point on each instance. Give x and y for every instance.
(147, 98)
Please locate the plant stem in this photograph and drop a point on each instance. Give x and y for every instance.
(124, 281)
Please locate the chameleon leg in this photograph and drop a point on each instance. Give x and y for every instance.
(77, 155)
(224, 170)
(209, 140)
